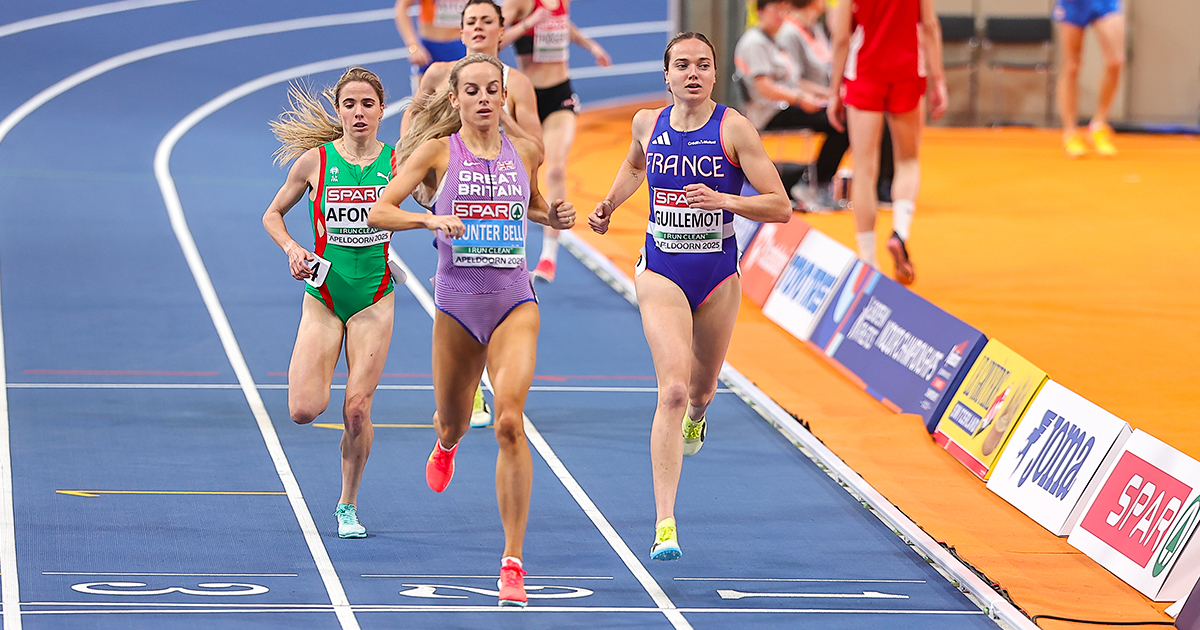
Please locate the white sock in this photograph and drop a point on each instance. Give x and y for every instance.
(444, 449)
(902, 215)
(549, 246)
(516, 561)
(866, 247)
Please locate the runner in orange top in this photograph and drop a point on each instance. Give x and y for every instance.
(883, 51)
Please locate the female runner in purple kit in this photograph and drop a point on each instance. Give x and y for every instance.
(487, 312)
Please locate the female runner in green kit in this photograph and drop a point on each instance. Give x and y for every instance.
(342, 166)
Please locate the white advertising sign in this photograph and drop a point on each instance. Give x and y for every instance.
(1062, 445)
(801, 293)
(1139, 521)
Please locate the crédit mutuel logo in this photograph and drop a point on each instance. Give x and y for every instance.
(1140, 510)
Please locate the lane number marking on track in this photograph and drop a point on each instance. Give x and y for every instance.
(206, 588)
(534, 592)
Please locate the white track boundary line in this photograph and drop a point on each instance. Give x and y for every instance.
(241, 32)
(10, 590)
(995, 606)
(81, 14)
(162, 172)
(606, 529)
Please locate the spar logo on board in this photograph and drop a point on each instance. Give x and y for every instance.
(1138, 510)
(495, 210)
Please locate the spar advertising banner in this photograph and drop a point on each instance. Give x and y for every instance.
(1056, 456)
(985, 409)
(806, 285)
(907, 353)
(767, 256)
(1140, 519)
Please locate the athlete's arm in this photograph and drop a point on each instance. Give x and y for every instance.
(745, 148)
(386, 214)
(558, 213)
(300, 178)
(838, 21)
(590, 45)
(417, 54)
(518, 21)
(631, 173)
(932, 40)
(524, 110)
(797, 96)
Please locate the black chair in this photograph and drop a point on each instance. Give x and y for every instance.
(1021, 33)
(958, 32)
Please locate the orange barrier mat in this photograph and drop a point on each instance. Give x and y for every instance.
(1086, 268)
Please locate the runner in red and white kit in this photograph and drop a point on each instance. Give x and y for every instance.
(884, 50)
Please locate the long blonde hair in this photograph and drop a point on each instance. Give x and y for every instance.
(437, 118)
(306, 124)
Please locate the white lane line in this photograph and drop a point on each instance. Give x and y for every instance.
(629, 28)
(10, 591)
(81, 14)
(91, 72)
(617, 69)
(614, 540)
(162, 172)
(176, 574)
(582, 389)
(488, 577)
(819, 580)
(110, 608)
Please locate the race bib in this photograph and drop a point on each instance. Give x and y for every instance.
(494, 235)
(320, 269)
(346, 209)
(678, 229)
(550, 39)
(448, 13)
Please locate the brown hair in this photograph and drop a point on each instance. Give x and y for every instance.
(437, 118)
(499, 14)
(682, 36)
(306, 124)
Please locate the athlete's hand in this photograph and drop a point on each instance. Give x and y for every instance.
(601, 55)
(703, 197)
(599, 218)
(836, 111)
(298, 259)
(451, 225)
(533, 19)
(419, 56)
(937, 99)
(562, 215)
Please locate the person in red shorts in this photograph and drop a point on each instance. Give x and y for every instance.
(883, 52)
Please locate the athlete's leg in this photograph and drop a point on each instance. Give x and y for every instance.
(712, 328)
(318, 344)
(1110, 32)
(866, 130)
(368, 335)
(667, 323)
(512, 353)
(906, 145)
(558, 132)
(458, 360)
(1070, 40)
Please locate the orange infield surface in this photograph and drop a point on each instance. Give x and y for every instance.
(1086, 268)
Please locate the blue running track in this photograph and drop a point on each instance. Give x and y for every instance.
(156, 480)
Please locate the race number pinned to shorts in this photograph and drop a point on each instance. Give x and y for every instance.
(320, 269)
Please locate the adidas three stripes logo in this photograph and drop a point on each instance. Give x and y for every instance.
(662, 138)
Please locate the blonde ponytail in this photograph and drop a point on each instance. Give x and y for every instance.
(306, 124)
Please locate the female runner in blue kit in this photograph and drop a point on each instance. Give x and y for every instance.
(695, 155)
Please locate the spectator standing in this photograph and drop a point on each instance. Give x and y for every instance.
(1108, 22)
